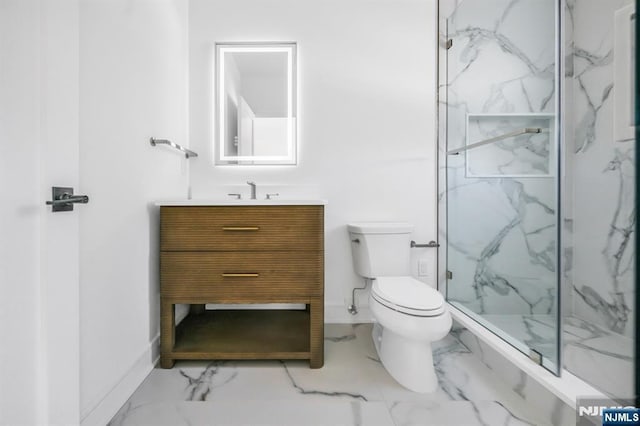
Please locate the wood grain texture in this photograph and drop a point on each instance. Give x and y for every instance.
(278, 251)
(185, 274)
(249, 334)
(167, 332)
(202, 228)
(316, 332)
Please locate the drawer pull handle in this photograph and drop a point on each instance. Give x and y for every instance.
(240, 275)
(240, 228)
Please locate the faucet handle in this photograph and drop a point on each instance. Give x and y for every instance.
(275, 194)
(253, 189)
(238, 196)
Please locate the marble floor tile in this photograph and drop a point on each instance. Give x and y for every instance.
(352, 388)
(455, 413)
(250, 413)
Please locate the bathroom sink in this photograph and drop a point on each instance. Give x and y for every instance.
(232, 202)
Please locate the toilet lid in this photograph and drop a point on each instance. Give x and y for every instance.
(408, 295)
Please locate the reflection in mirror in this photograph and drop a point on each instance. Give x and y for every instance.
(255, 104)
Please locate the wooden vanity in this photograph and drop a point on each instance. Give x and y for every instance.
(242, 253)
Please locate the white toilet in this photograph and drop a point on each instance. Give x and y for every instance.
(409, 313)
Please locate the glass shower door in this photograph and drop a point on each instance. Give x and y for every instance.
(502, 171)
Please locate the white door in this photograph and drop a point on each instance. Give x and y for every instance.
(39, 304)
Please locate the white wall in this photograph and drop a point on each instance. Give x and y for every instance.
(133, 85)
(266, 93)
(366, 73)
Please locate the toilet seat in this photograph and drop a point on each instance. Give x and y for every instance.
(408, 295)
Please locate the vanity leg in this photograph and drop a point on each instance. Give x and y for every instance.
(316, 332)
(167, 333)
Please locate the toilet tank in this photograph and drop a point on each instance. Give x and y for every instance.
(380, 249)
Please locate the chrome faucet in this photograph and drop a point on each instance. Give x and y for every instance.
(253, 189)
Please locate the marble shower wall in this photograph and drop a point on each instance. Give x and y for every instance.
(501, 218)
(600, 203)
(500, 229)
(603, 213)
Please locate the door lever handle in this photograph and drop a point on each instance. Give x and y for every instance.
(67, 198)
(62, 199)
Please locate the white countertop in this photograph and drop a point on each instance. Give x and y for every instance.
(231, 202)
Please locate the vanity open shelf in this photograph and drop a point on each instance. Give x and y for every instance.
(244, 334)
(242, 254)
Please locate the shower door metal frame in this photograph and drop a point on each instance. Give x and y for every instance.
(442, 184)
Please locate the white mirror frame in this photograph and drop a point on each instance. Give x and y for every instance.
(220, 157)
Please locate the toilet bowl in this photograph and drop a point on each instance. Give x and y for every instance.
(409, 314)
(405, 329)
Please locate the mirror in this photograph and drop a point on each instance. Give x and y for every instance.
(255, 104)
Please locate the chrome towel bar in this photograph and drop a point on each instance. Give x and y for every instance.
(513, 134)
(187, 152)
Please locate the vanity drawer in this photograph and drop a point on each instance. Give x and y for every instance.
(240, 228)
(232, 277)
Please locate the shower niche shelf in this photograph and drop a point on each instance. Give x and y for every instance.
(517, 145)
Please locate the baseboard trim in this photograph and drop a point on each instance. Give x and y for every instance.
(101, 412)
